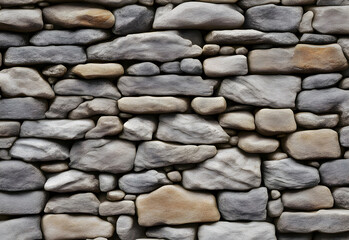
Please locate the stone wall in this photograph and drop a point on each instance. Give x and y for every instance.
(179, 120)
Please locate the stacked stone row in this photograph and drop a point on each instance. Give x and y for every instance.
(174, 119)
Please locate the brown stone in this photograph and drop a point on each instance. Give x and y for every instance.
(98, 70)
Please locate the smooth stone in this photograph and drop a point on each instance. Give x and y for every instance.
(305, 222)
(54, 70)
(26, 82)
(107, 182)
(249, 205)
(117, 208)
(155, 154)
(310, 120)
(69, 37)
(276, 91)
(171, 67)
(103, 155)
(312, 38)
(313, 144)
(8, 39)
(143, 69)
(211, 15)
(241, 171)
(341, 197)
(310, 199)
(191, 66)
(186, 232)
(75, 15)
(98, 70)
(106, 126)
(142, 182)
(152, 105)
(4, 154)
(253, 3)
(321, 80)
(34, 149)
(133, 19)
(275, 121)
(344, 43)
(146, 2)
(21, 20)
(174, 176)
(173, 205)
(210, 49)
(271, 17)
(139, 128)
(151, 46)
(127, 228)
(22, 203)
(226, 50)
(303, 58)
(297, 2)
(305, 25)
(240, 120)
(96, 106)
(115, 195)
(32, 55)
(71, 181)
(61, 106)
(334, 173)
(240, 230)
(223, 66)
(287, 173)
(190, 129)
(131, 197)
(344, 136)
(277, 155)
(7, 142)
(275, 208)
(332, 2)
(20, 176)
(255, 143)
(23, 108)
(209, 105)
(108, 3)
(54, 167)
(332, 19)
(65, 226)
(163, 85)
(27, 227)
(344, 84)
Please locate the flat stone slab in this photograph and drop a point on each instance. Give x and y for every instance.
(21, 228)
(21, 20)
(23, 108)
(334, 173)
(331, 19)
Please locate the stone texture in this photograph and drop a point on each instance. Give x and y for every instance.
(106, 126)
(275, 208)
(139, 128)
(305, 25)
(21, 228)
(191, 66)
(334, 173)
(344, 43)
(8, 39)
(21, 20)
(117, 208)
(98, 70)
(54, 167)
(173, 205)
(23, 108)
(314, 38)
(252, 3)
(321, 80)
(310, 120)
(96, 106)
(332, 19)
(341, 197)
(143, 69)
(275, 121)
(115, 195)
(223, 66)
(128, 228)
(107, 182)
(109, 3)
(61, 106)
(241, 120)
(7, 142)
(344, 136)
(254, 143)
(55, 70)
(9, 128)
(209, 105)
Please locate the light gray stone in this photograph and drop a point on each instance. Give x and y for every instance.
(8, 39)
(23, 108)
(341, 197)
(225, 66)
(275, 208)
(310, 120)
(143, 69)
(191, 66)
(25, 228)
(252, 3)
(106, 126)
(321, 80)
(312, 38)
(61, 106)
(332, 19)
(7, 142)
(21, 20)
(127, 228)
(9, 128)
(186, 232)
(107, 182)
(171, 67)
(139, 128)
(96, 106)
(305, 24)
(334, 173)
(344, 136)
(117, 208)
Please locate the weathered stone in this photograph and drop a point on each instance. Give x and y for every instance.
(108, 3)
(344, 43)
(71, 181)
(310, 120)
(173, 205)
(275, 208)
(334, 173)
(152, 46)
(54, 70)
(190, 129)
(31, 55)
(7, 142)
(242, 231)
(20, 176)
(303, 58)
(117, 208)
(54, 167)
(61, 106)
(97, 106)
(68, 37)
(321, 80)
(164, 85)
(249, 205)
(333, 20)
(274, 91)
(341, 197)
(187, 232)
(254, 143)
(210, 49)
(107, 182)
(312, 38)
(225, 66)
(9, 128)
(127, 228)
(8, 39)
(139, 128)
(33, 149)
(133, 19)
(241, 171)
(275, 121)
(115, 195)
(104, 155)
(287, 173)
(143, 69)
(305, 25)
(191, 66)
(22, 108)
(313, 144)
(106, 126)
(21, 20)
(64, 226)
(304, 222)
(155, 154)
(21, 228)
(344, 136)
(98, 70)
(209, 105)
(241, 120)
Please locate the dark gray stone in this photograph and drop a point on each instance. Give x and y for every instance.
(312, 38)
(321, 80)
(8, 39)
(171, 67)
(344, 136)
(143, 69)
(335, 173)
(23, 108)
(25, 228)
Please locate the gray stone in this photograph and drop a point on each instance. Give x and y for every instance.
(107, 182)
(271, 17)
(191, 66)
(310, 120)
(54, 70)
(332, 2)
(117, 208)
(8, 39)
(116, 195)
(209, 105)
(312, 38)
(104, 155)
(186, 232)
(142, 182)
(331, 236)
(275, 208)
(344, 43)
(71, 181)
(21, 203)
(211, 15)
(171, 67)
(287, 173)
(96, 106)
(241, 171)
(295, 236)
(20, 176)
(252, 3)
(34, 149)
(240, 120)
(21, 20)
(305, 24)
(252, 142)
(165, 85)
(95, 88)
(9, 128)
(275, 91)
(344, 84)
(248, 206)
(152, 46)
(127, 228)
(297, 2)
(143, 69)
(240, 230)
(139, 128)
(17, 2)
(332, 20)
(190, 129)
(25, 228)
(7, 142)
(344, 136)
(30, 55)
(4, 154)
(155, 154)
(321, 80)
(335, 173)
(77, 203)
(22, 108)
(341, 197)
(106, 126)
(133, 19)
(58, 129)
(225, 66)
(174, 176)
(108, 3)
(67, 37)
(61, 106)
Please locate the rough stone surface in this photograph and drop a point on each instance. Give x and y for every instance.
(331, 19)
(310, 120)
(96, 106)
(106, 126)
(344, 136)
(173, 232)
(341, 197)
(139, 128)
(21, 20)
(143, 69)
(61, 106)
(275, 121)
(334, 173)
(21, 228)
(22, 108)
(117, 208)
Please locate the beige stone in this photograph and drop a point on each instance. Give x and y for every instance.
(313, 144)
(254, 143)
(210, 49)
(117, 208)
(173, 204)
(115, 195)
(54, 167)
(106, 126)
(275, 121)
(310, 120)
(209, 105)
(241, 120)
(98, 70)
(225, 66)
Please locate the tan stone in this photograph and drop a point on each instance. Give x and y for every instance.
(254, 143)
(241, 120)
(275, 121)
(209, 105)
(313, 144)
(98, 70)
(106, 126)
(54, 167)
(173, 204)
(64, 226)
